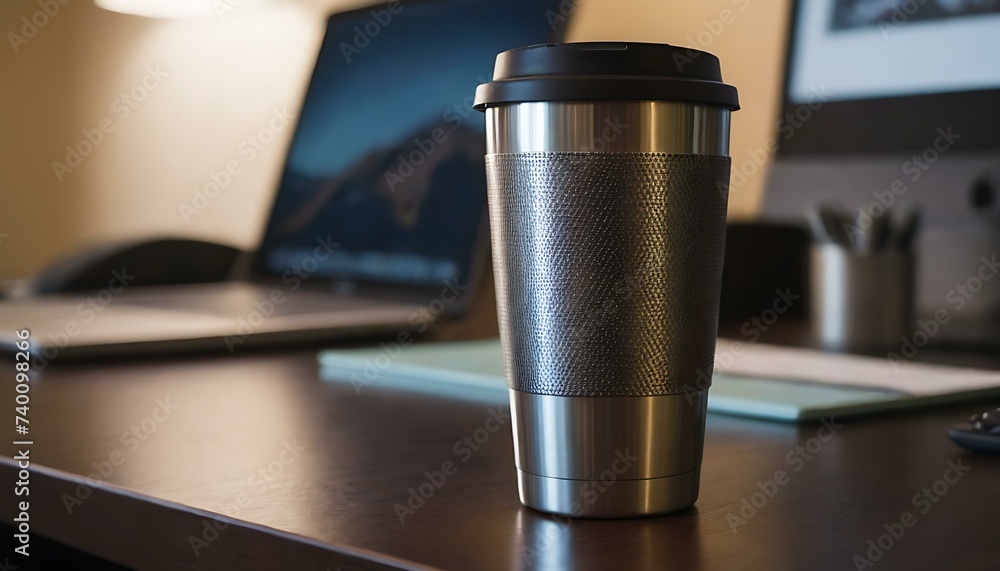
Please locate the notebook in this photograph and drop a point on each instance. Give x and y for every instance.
(753, 380)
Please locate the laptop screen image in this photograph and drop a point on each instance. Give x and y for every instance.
(387, 159)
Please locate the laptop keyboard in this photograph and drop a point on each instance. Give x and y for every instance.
(240, 299)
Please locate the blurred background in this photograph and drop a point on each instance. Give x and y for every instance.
(218, 79)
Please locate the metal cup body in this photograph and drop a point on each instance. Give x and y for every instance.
(608, 230)
(861, 301)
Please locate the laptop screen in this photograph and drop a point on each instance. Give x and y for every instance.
(387, 159)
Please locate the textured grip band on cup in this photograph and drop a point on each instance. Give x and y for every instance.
(608, 268)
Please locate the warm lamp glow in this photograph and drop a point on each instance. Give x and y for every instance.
(158, 8)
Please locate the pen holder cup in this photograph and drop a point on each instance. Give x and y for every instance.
(861, 301)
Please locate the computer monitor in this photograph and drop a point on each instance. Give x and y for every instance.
(387, 158)
(893, 102)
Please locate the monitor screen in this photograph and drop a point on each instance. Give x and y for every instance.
(884, 76)
(869, 49)
(387, 159)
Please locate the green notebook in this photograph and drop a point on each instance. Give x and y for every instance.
(474, 370)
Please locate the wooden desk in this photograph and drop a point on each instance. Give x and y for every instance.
(309, 473)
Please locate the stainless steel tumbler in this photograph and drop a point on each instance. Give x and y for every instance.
(608, 178)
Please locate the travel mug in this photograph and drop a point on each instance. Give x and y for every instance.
(608, 178)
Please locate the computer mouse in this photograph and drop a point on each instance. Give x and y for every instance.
(981, 434)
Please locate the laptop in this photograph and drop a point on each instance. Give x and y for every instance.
(379, 219)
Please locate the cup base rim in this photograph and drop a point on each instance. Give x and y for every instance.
(598, 499)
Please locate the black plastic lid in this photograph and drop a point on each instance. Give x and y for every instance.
(588, 71)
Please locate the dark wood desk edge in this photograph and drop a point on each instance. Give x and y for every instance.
(129, 528)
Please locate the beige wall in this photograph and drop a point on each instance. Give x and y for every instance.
(207, 85)
(747, 35)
